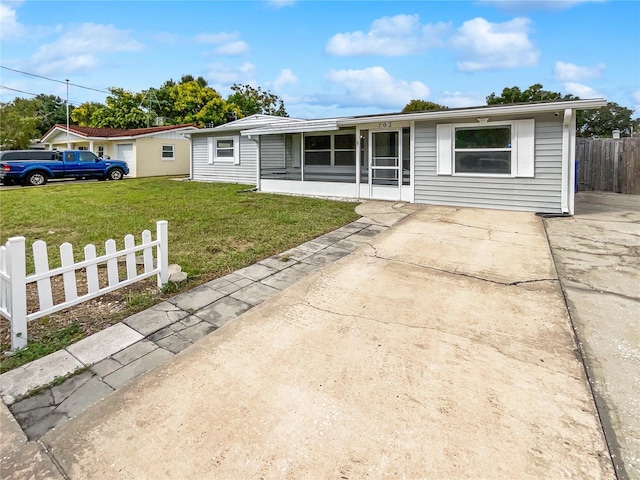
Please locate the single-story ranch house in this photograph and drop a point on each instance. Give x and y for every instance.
(151, 151)
(514, 157)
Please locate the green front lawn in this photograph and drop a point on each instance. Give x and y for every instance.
(214, 228)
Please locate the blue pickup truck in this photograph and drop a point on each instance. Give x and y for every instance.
(36, 167)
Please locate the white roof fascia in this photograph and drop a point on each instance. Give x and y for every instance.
(250, 122)
(491, 110)
(129, 137)
(57, 130)
(300, 127)
(126, 137)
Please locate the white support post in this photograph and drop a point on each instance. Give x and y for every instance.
(163, 252)
(18, 273)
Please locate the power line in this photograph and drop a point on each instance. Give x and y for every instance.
(20, 91)
(29, 93)
(53, 79)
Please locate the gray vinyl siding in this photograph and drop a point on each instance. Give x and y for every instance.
(542, 193)
(288, 151)
(272, 151)
(204, 171)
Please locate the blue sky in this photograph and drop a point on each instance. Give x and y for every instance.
(327, 58)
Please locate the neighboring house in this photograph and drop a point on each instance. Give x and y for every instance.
(513, 157)
(151, 151)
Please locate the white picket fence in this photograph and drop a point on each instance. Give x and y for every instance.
(14, 280)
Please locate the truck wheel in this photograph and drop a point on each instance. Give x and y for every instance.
(35, 179)
(115, 174)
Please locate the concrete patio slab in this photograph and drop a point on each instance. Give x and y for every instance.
(155, 318)
(196, 298)
(18, 382)
(103, 344)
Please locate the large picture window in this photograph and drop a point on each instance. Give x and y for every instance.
(330, 150)
(483, 150)
(496, 149)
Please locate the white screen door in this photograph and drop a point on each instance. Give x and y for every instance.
(384, 164)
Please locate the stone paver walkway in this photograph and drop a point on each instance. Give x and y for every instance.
(115, 356)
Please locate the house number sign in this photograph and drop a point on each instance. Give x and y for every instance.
(384, 125)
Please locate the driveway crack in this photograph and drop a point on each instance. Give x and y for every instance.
(433, 329)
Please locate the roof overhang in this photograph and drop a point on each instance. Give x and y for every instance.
(252, 122)
(485, 111)
(57, 130)
(516, 109)
(299, 127)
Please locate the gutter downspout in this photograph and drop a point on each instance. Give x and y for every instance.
(568, 159)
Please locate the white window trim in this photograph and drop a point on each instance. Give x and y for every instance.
(213, 150)
(522, 148)
(173, 152)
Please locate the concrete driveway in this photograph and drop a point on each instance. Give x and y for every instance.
(598, 257)
(441, 349)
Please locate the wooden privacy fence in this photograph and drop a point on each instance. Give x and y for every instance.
(14, 280)
(609, 164)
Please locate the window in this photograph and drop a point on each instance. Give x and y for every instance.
(46, 155)
(86, 156)
(101, 151)
(224, 150)
(317, 150)
(494, 149)
(167, 152)
(483, 150)
(330, 150)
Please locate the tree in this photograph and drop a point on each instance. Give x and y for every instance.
(189, 78)
(190, 102)
(50, 110)
(422, 105)
(602, 122)
(19, 126)
(83, 114)
(122, 110)
(250, 100)
(534, 93)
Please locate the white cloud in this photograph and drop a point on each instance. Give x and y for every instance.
(391, 36)
(494, 46)
(228, 43)
(374, 86)
(570, 72)
(530, 5)
(286, 77)
(459, 99)
(81, 47)
(232, 48)
(217, 38)
(582, 91)
(222, 76)
(10, 28)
